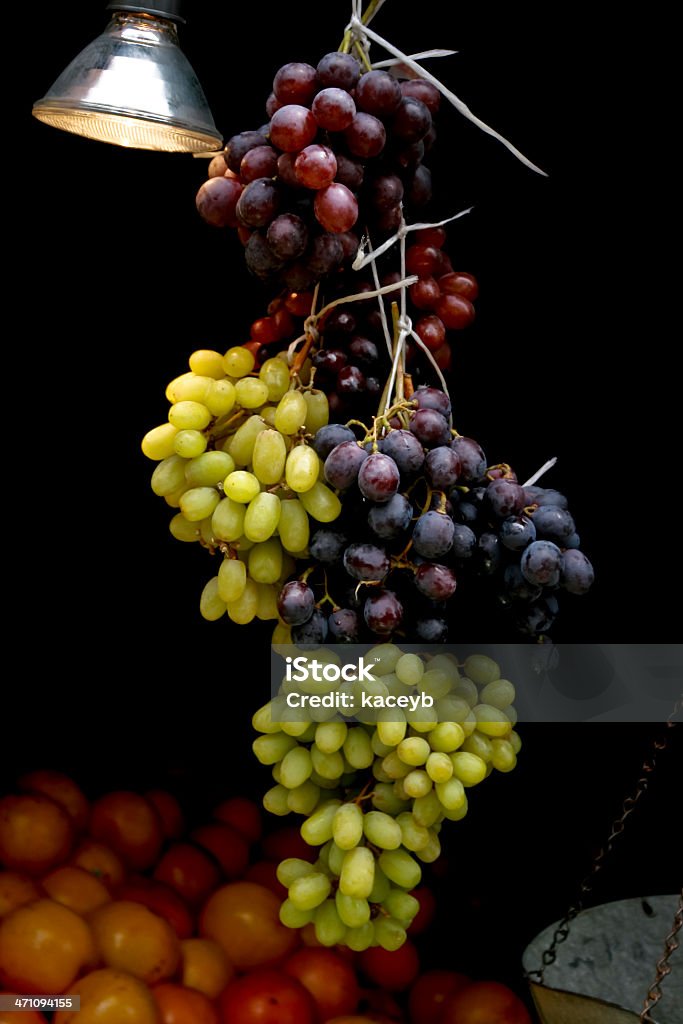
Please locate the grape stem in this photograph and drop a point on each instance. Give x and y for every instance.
(367, 16)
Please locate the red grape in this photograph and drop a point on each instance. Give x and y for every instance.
(259, 162)
(365, 136)
(338, 71)
(419, 89)
(459, 284)
(333, 109)
(315, 166)
(217, 200)
(378, 93)
(455, 311)
(424, 293)
(336, 208)
(292, 127)
(431, 330)
(295, 83)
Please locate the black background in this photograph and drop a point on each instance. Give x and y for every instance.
(117, 281)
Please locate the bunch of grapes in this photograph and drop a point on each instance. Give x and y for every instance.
(422, 517)
(233, 458)
(373, 830)
(340, 148)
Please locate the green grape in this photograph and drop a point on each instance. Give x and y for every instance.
(399, 790)
(309, 891)
(244, 609)
(317, 410)
(317, 829)
(159, 443)
(466, 690)
(232, 579)
(358, 873)
(265, 561)
(409, 669)
(251, 393)
(297, 729)
(262, 517)
(511, 712)
(384, 658)
(379, 772)
(379, 748)
(199, 502)
(290, 413)
(207, 363)
(515, 741)
(439, 767)
(504, 758)
(500, 693)
(390, 734)
(357, 748)
(324, 783)
(241, 486)
(275, 772)
(238, 361)
(393, 767)
(452, 709)
(293, 527)
(211, 605)
(220, 397)
(321, 503)
(389, 934)
(481, 669)
(301, 469)
(432, 851)
(189, 416)
(335, 858)
(330, 736)
(263, 721)
(451, 794)
(243, 440)
(469, 768)
(480, 745)
(401, 905)
(445, 663)
(400, 868)
(381, 887)
(427, 809)
(382, 830)
(189, 387)
(386, 800)
(458, 814)
(417, 783)
(413, 751)
(413, 836)
(275, 375)
(347, 827)
(328, 766)
(491, 721)
(296, 767)
(168, 475)
(269, 749)
(291, 868)
(292, 917)
(446, 737)
(469, 724)
(353, 912)
(227, 521)
(329, 928)
(208, 469)
(275, 801)
(423, 719)
(183, 529)
(435, 684)
(189, 443)
(173, 499)
(266, 606)
(268, 459)
(304, 798)
(360, 939)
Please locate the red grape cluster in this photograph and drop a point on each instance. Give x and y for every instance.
(422, 516)
(340, 146)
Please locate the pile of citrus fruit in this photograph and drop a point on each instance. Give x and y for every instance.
(115, 901)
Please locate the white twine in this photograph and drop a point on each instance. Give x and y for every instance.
(362, 33)
(362, 259)
(382, 310)
(423, 55)
(537, 476)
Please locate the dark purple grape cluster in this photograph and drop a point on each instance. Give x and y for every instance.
(342, 150)
(424, 521)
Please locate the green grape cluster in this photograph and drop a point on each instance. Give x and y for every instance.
(375, 792)
(233, 458)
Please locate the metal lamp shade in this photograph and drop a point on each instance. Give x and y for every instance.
(606, 966)
(133, 87)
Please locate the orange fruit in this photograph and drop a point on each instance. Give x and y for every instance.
(43, 948)
(35, 833)
(130, 938)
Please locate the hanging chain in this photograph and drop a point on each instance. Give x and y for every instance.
(647, 770)
(671, 944)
